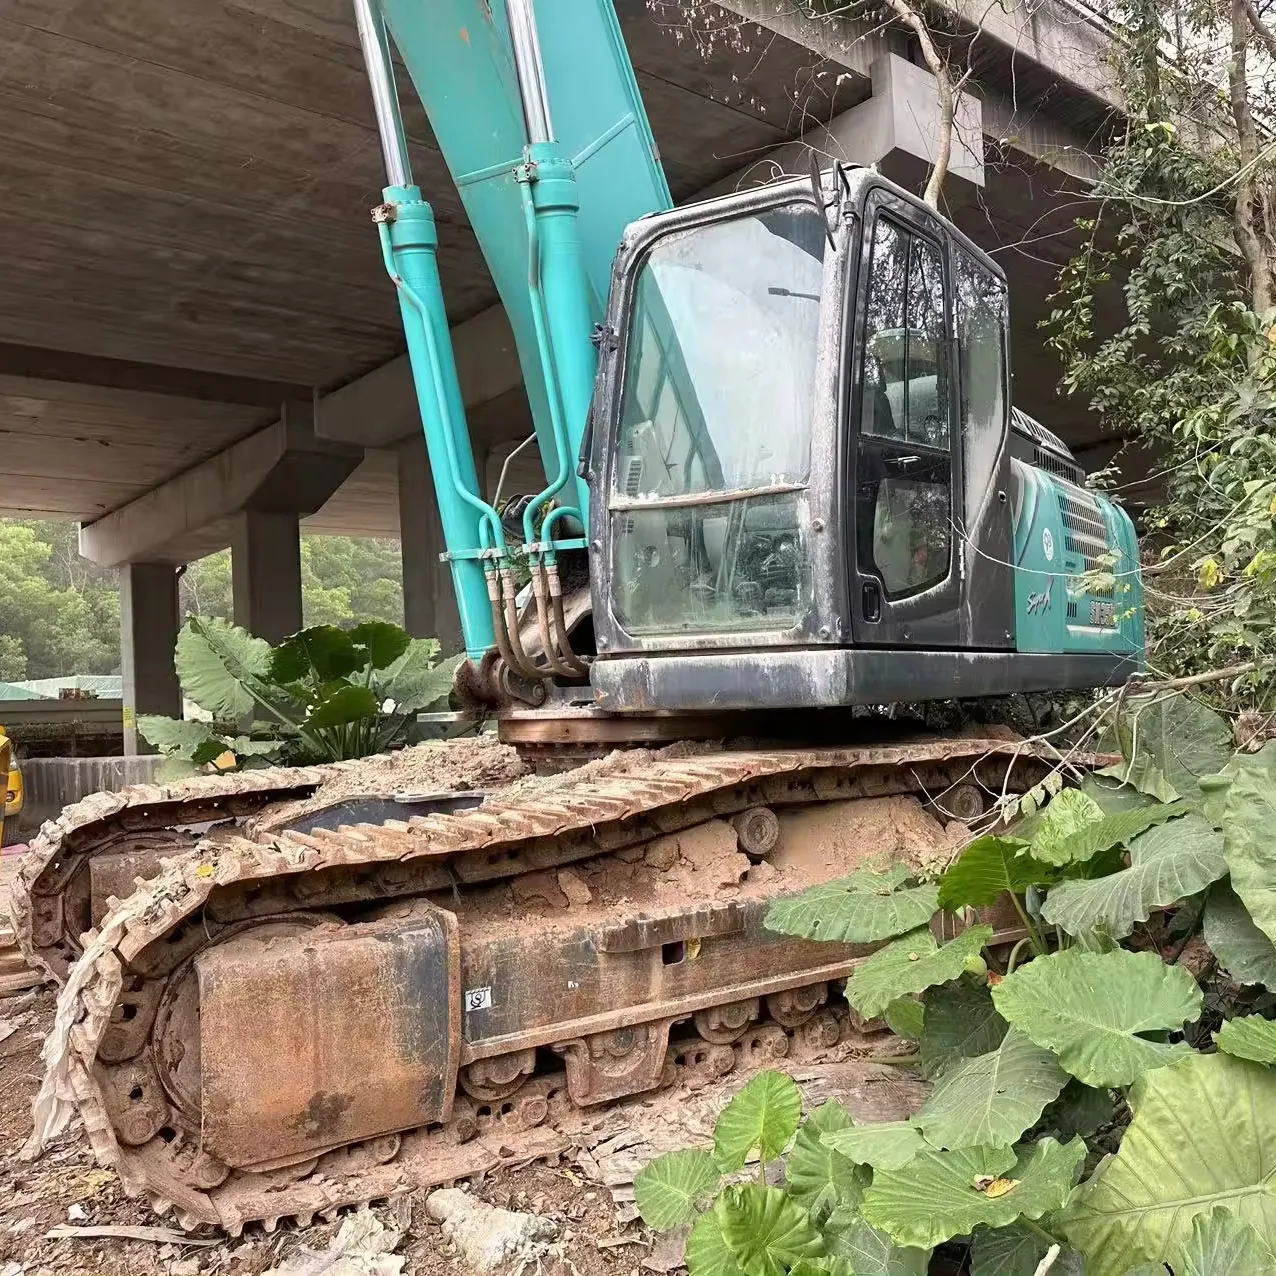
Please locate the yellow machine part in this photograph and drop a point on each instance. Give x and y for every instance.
(13, 789)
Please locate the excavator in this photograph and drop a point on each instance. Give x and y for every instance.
(784, 485)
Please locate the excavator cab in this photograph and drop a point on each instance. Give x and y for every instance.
(801, 465)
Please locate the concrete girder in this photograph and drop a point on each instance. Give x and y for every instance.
(281, 469)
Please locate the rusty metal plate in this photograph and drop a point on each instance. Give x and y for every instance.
(326, 1038)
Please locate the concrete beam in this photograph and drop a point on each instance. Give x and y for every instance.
(895, 129)
(380, 409)
(282, 469)
(148, 638)
(1065, 40)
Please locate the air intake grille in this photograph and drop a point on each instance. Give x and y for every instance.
(1085, 534)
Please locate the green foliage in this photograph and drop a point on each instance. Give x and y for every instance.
(1202, 1135)
(666, 1190)
(1115, 828)
(1091, 1054)
(1067, 815)
(817, 1175)
(1170, 743)
(1249, 1037)
(1016, 1251)
(1242, 801)
(986, 869)
(763, 1116)
(766, 1230)
(1241, 948)
(1091, 1007)
(1169, 862)
(905, 1017)
(883, 1145)
(991, 1099)
(1223, 1245)
(961, 1022)
(61, 614)
(860, 909)
(321, 695)
(938, 1195)
(910, 965)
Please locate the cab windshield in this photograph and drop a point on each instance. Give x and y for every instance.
(714, 444)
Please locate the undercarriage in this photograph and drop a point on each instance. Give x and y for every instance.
(298, 1010)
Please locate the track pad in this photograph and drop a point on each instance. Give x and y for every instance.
(324, 1038)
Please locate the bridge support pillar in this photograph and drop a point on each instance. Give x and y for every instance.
(265, 567)
(148, 637)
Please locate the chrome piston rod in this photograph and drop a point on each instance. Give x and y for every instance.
(385, 96)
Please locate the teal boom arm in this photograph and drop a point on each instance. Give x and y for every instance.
(538, 116)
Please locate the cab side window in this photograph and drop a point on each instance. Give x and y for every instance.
(904, 485)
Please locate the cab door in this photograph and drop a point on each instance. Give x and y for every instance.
(903, 446)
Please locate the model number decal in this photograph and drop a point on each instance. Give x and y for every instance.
(1103, 614)
(478, 999)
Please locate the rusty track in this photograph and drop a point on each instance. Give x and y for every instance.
(106, 1035)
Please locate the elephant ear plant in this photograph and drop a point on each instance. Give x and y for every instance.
(320, 696)
(1102, 1097)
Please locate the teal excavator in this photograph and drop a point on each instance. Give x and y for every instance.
(783, 481)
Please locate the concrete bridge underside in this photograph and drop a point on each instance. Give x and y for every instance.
(199, 347)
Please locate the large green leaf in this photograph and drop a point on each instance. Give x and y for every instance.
(413, 681)
(1242, 802)
(1167, 863)
(1088, 1008)
(708, 1253)
(764, 1115)
(666, 1190)
(1241, 948)
(322, 653)
(992, 1099)
(1248, 1037)
(939, 1195)
(765, 1229)
(910, 965)
(1080, 1109)
(872, 1253)
(885, 1145)
(1170, 743)
(222, 668)
(1103, 834)
(380, 644)
(1203, 1134)
(960, 1022)
(1016, 1251)
(905, 1017)
(860, 909)
(175, 738)
(986, 869)
(817, 1176)
(347, 704)
(1068, 813)
(1112, 796)
(1223, 1245)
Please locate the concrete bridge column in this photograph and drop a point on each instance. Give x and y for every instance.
(265, 568)
(429, 604)
(148, 637)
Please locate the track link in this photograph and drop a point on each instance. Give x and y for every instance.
(106, 1011)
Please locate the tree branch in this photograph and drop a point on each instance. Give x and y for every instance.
(1247, 236)
(938, 67)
